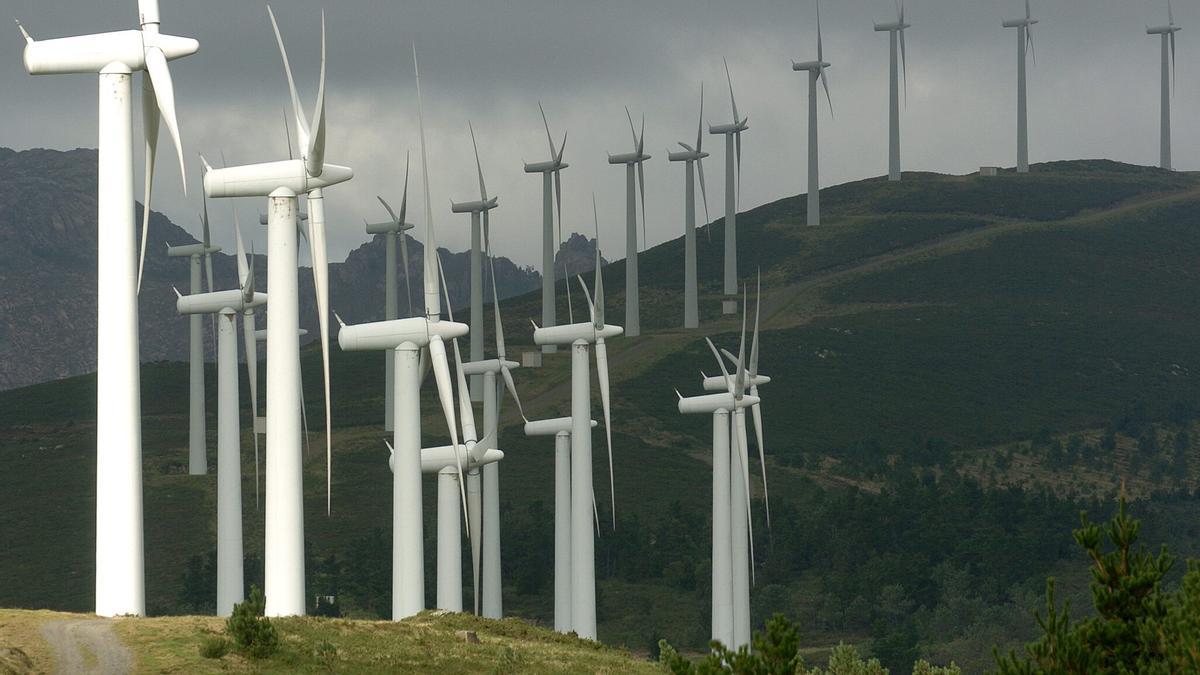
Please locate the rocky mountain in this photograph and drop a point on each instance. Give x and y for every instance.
(48, 241)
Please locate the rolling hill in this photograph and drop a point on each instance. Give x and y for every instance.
(929, 333)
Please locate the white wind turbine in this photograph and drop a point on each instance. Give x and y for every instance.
(1024, 45)
(733, 190)
(479, 245)
(226, 305)
(1168, 79)
(551, 171)
(197, 436)
(633, 161)
(408, 337)
(282, 182)
(580, 336)
(392, 230)
(694, 158)
(114, 56)
(895, 31)
(816, 71)
(730, 500)
(485, 548)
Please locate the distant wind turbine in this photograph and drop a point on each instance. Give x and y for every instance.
(694, 158)
(633, 161)
(551, 171)
(733, 191)
(895, 31)
(1168, 79)
(1024, 45)
(816, 71)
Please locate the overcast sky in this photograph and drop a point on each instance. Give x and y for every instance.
(1093, 93)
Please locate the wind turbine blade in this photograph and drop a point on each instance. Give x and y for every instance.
(478, 166)
(904, 58)
(500, 351)
(599, 288)
(721, 363)
(1170, 13)
(320, 268)
(756, 412)
(287, 130)
(432, 296)
(164, 96)
(642, 189)
(245, 282)
(828, 98)
(465, 412)
(741, 442)
(588, 296)
(558, 200)
(740, 378)
(820, 43)
(314, 157)
(703, 194)
(1029, 43)
(441, 374)
(150, 130)
(301, 123)
(754, 340)
(403, 196)
(549, 139)
(632, 130)
(700, 122)
(389, 208)
(252, 379)
(737, 142)
(404, 260)
(1172, 61)
(732, 100)
(605, 400)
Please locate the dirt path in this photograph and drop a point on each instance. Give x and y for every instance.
(87, 646)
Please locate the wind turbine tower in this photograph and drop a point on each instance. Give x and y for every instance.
(633, 161)
(551, 171)
(816, 71)
(694, 158)
(1168, 83)
(114, 57)
(1024, 45)
(733, 191)
(898, 61)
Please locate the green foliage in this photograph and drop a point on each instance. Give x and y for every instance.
(1138, 627)
(249, 629)
(214, 647)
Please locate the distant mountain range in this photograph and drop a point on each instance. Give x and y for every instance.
(48, 272)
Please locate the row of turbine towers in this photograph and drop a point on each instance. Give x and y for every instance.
(467, 466)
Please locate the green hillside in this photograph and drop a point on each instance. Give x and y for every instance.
(932, 339)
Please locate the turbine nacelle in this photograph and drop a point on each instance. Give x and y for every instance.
(733, 128)
(488, 366)
(380, 335)
(544, 167)
(215, 302)
(574, 332)
(441, 457)
(189, 250)
(1163, 30)
(811, 66)
(550, 427)
(628, 158)
(892, 26)
(389, 227)
(92, 53)
(1018, 23)
(476, 206)
(711, 403)
(260, 180)
(688, 155)
(719, 383)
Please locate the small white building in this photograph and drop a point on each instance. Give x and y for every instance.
(989, 171)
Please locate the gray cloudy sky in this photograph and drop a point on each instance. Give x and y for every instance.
(1093, 93)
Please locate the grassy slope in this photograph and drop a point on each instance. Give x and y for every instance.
(973, 309)
(426, 643)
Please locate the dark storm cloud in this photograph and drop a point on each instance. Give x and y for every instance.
(1093, 93)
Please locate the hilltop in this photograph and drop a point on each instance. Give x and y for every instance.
(937, 340)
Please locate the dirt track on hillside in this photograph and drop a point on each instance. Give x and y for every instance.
(87, 646)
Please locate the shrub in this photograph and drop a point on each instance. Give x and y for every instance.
(250, 630)
(214, 647)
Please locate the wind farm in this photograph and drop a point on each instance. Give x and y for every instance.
(919, 383)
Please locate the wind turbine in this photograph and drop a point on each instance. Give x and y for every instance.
(408, 337)
(895, 31)
(730, 514)
(392, 230)
(694, 158)
(550, 169)
(633, 161)
(733, 190)
(580, 336)
(1168, 81)
(226, 305)
(197, 433)
(1025, 44)
(479, 242)
(281, 182)
(114, 56)
(485, 549)
(816, 71)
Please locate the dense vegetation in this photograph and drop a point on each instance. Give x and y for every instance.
(961, 365)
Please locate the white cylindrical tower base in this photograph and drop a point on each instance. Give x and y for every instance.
(476, 303)
(739, 527)
(583, 552)
(893, 110)
(632, 311)
(722, 542)
(283, 555)
(729, 283)
(814, 178)
(562, 532)
(492, 602)
(120, 576)
(389, 312)
(449, 542)
(408, 547)
(691, 310)
(229, 469)
(197, 440)
(475, 527)
(549, 248)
